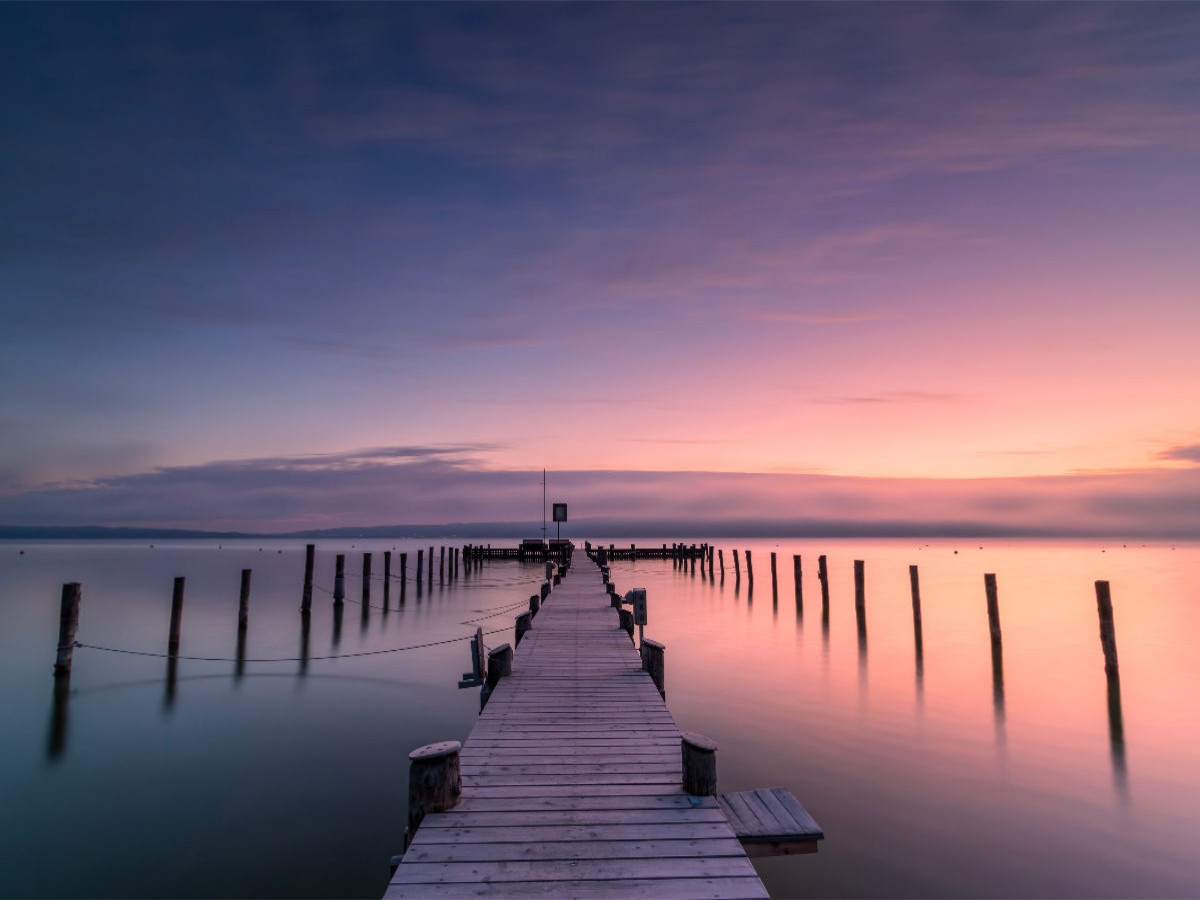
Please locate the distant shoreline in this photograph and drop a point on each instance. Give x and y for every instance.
(598, 528)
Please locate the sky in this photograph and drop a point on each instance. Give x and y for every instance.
(284, 266)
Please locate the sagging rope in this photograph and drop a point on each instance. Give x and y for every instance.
(282, 658)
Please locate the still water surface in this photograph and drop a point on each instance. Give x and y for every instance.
(935, 771)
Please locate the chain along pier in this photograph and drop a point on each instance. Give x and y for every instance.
(575, 780)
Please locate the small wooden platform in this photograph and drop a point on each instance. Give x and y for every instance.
(771, 822)
(572, 779)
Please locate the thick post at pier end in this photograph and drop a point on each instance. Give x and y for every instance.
(68, 625)
(699, 764)
(653, 661)
(434, 782)
(535, 603)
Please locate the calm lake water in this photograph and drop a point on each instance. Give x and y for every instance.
(933, 774)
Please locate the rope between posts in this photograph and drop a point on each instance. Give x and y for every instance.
(282, 658)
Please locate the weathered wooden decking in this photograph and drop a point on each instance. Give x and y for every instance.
(572, 779)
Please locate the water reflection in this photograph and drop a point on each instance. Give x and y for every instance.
(239, 667)
(338, 609)
(1116, 737)
(998, 690)
(305, 629)
(172, 677)
(59, 715)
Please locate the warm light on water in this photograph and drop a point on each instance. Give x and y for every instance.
(930, 776)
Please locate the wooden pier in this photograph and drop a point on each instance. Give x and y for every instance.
(572, 779)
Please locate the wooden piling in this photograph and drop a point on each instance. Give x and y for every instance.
(366, 580)
(387, 578)
(915, 583)
(434, 782)
(535, 603)
(625, 617)
(420, 566)
(721, 557)
(823, 578)
(524, 623)
(749, 570)
(68, 625)
(1108, 630)
(310, 553)
(737, 566)
(442, 565)
(860, 590)
(431, 566)
(545, 590)
(699, 764)
(403, 575)
(774, 581)
(653, 661)
(176, 617)
(993, 606)
(244, 601)
(339, 580)
(796, 577)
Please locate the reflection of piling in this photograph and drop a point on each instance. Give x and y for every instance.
(68, 625)
(310, 552)
(244, 601)
(339, 580)
(305, 629)
(239, 666)
(59, 717)
(338, 609)
(387, 579)
(176, 617)
(171, 681)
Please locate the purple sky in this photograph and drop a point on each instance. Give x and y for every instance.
(720, 262)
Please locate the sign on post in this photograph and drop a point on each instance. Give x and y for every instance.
(560, 512)
(637, 597)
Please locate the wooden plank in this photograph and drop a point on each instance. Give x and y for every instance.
(558, 870)
(525, 817)
(655, 848)
(575, 833)
(750, 888)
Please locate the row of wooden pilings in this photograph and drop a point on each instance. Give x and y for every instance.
(451, 561)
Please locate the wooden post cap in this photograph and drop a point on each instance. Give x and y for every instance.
(698, 741)
(435, 750)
